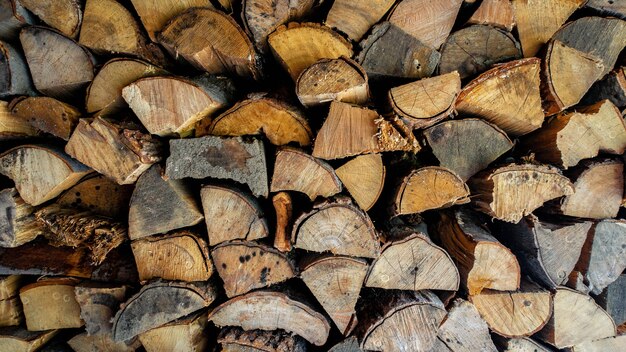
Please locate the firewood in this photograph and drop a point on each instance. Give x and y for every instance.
(186, 334)
(608, 7)
(181, 256)
(297, 46)
(284, 210)
(548, 251)
(98, 304)
(280, 122)
(483, 262)
(538, 20)
(10, 286)
(430, 187)
(326, 80)
(390, 53)
(355, 18)
(336, 281)
(296, 170)
(576, 281)
(90, 343)
(497, 13)
(171, 105)
(576, 319)
(262, 17)
(48, 54)
(64, 16)
(520, 344)
(18, 339)
(272, 310)
(364, 178)
(13, 17)
(15, 77)
(414, 263)
(611, 87)
(12, 126)
(515, 314)
(160, 303)
(436, 96)
(105, 91)
(232, 214)
(158, 205)
(350, 344)
(507, 96)
(429, 22)
(603, 258)
(400, 321)
(155, 15)
(210, 41)
(611, 300)
(609, 344)
(235, 339)
(17, 220)
(338, 227)
(10, 306)
(572, 136)
(512, 191)
(35, 183)
(473, 50)
(47, 114)
(99, 195)
(464, 329)
(51, 304)
(351, 130)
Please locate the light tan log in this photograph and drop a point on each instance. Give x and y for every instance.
(364, 178)
(51, 304)
(12, 126)
(98, 304)
(464, 330)
(283, 208)
(47, 114)
(88, 343)
(355, 18)
(186, 334)
(19, 339)
(609, 344)
(63, 15)
(99, 195)
(497, 13)
(17, 221)
(519, 344)
(155, 15)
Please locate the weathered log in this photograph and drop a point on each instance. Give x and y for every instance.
(15, 78)
(155, 15)
(10, 306)
(464, 330)
(608, 7)
(98, 304)
(89, 343)
(350, 344)
(235, 339)
(99, 195)
(284, 210)
(14, 127)
(364, 178)
(186, 334)
(609, 344)
(47, 114)
(611, 300)
(13, 17)
(496, 13)
(18, 339)
(17, 220)
(51, 304)
(611, 87)
(65, 15)
(354, 18)
(519, 344)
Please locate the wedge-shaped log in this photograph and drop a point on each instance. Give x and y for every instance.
(14, 17)
(160, 303)
(17, 220)
(50, 304)
(496, 13)
(519, 344)
(40, 174)
(64, 16)
(609, 344)
(47, 114)
(100, 195)
(13, 127)
(611, 87)
(235, 339)
(338, 227)
(295, 170)
(186, 334)
(245, 266)
(350, 344)
(364, 178)
(464, 330)
(19, 339)
(611, 300)
(155, 15)
(15, 78)
(98, 304)
(159, 206)
(180, 256)
(354, 18)
(336, 282)
(87, 343)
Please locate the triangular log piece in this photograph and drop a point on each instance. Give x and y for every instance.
(10, 286)
(63, 15)
(234, 339)
(464, 330)
(18, 339)
(154, 15)
(14, 17)
(355, 18)
(17, 220)
(84, 342)
(14, 127)
(51, 304)
(272, 310)
(15, 77)
(496, 13)
(186, 334)
(519, 344)
(609, 344)
(364, 178)
(98, 304)
(611, 87)
(350, 344)
(47, 114)
(612, 300)
(100, 195)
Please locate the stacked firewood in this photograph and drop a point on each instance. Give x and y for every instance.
(292, 175)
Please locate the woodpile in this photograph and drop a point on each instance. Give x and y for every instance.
(309, 175)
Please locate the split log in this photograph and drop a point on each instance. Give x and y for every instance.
(338, 227)
(298, 46)
(473, 50)
(35, 183)
(13, 17)
(351, 130)
(573, 136)
(390, 53)
(612, 300)
(515, 314)
(90, 343)
(611, 87)
(284, 210)
(105, 91)
(608, 7)
(181, 256)
(48, 54)
(562, 63)
(10, 286)
(271, 311)
(99, 195)
(609, 344)
(18, 339)
(17, 220)
(167, 106)
(429, 22)
(483, 262)
(15, 76)
(155, 15)
(262, 17)
(160, 303)
(232, 214)
(186, 334)
(158, 206)
(350, 344)
(464, 330)
(245, 266)
(47, 114)
(576, 319)
(238, 340)
(548, 251)
(336, 283)
(507, 96)
(210, 41)
(520, 344)
(326, 80)
(355, 18)
(436, 96)
(294, 170)
(64, 16)
(12, 126)
(496, 13)
(512, 191)
(400, 321)
(98, 304)
(414, 263)
(279, 122)
(537, 21)
(10, 306)
(364, 178)
(51, 304)
(427, 188)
